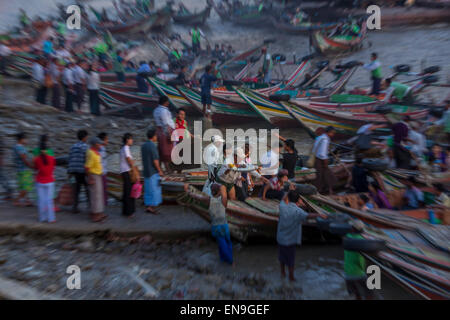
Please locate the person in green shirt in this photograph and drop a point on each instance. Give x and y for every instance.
(118, 66)
(101, 50)
(196, 34)
(400, 91)
(24, 19)
(355, 267)
(375, 70)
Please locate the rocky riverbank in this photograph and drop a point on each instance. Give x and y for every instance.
(140, 268)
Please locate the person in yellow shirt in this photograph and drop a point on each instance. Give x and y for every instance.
(94, 171)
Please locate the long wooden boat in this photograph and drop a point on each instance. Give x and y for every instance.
(303, 28)
(190, 18)
(297, 76)
(272, 112)
(118, 97)
(433, 3)
(338, 44)
(39, 32)
(221, 113)
(416, 285)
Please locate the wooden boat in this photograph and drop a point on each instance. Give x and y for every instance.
(303, 28)
(225, 95)
(338, 44)
(433, 3)
(386, 219)
(411, 282)
(395, 198)
(346, 122)
(39, 32)
(149, 102)
(221, 113)
(244, 221)
(272, 112)
(189, 18)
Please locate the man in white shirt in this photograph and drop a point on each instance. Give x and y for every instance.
(164, 128)
(68, 83)
(374, 66)
(79, 79)
(38, 74)
(324, 176)
(55, 75)
(5, 52)
(270, 162)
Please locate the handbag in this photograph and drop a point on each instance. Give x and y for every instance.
(136, 190)
(66, 195)
(134, 175)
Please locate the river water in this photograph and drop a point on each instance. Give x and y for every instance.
(418, 46)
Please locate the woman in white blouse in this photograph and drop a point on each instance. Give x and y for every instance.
(126, 168)
(93, 86)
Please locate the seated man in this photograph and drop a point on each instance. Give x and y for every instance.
(274, 189)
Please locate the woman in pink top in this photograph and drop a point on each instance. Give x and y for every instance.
(45, 182)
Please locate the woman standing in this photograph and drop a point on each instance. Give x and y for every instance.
(127, 168)
(93, 86)
(44, 165)
(94, 170)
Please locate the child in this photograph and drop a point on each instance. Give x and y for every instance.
(288, 231)
(274, 189)
(413, 196)
(24, 174)
(378, 196)
(367, 204)
(219, 226)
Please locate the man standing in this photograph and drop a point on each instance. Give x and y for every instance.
(79, 78)
(77, 160)
(402, 156)
(164, 127)
(205, 83)
(213, 156)
(94, 171)
(141, 77)
(324, 176)
(289, 230)
(68, 83)
(267, 65)
(39, 80)
(375, 70)
(118, 66)
(196, 35)
(152, 173)
(55, 75)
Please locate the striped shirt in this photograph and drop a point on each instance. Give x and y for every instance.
(77, 158)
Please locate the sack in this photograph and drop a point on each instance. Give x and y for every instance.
(207, 187)
(134, 175)
(136, 190)
(311, 159)
(66, 195)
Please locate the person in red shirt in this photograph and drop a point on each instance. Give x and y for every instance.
(44, 166)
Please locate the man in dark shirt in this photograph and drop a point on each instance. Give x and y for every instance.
(359, 177)
(290, 158)
(152, 173)
(205, 83)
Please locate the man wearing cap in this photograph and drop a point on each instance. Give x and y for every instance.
(94, 171)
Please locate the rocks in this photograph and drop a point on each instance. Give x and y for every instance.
(19, 239)
(205, 263)
(255, 279)
(29, 273)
